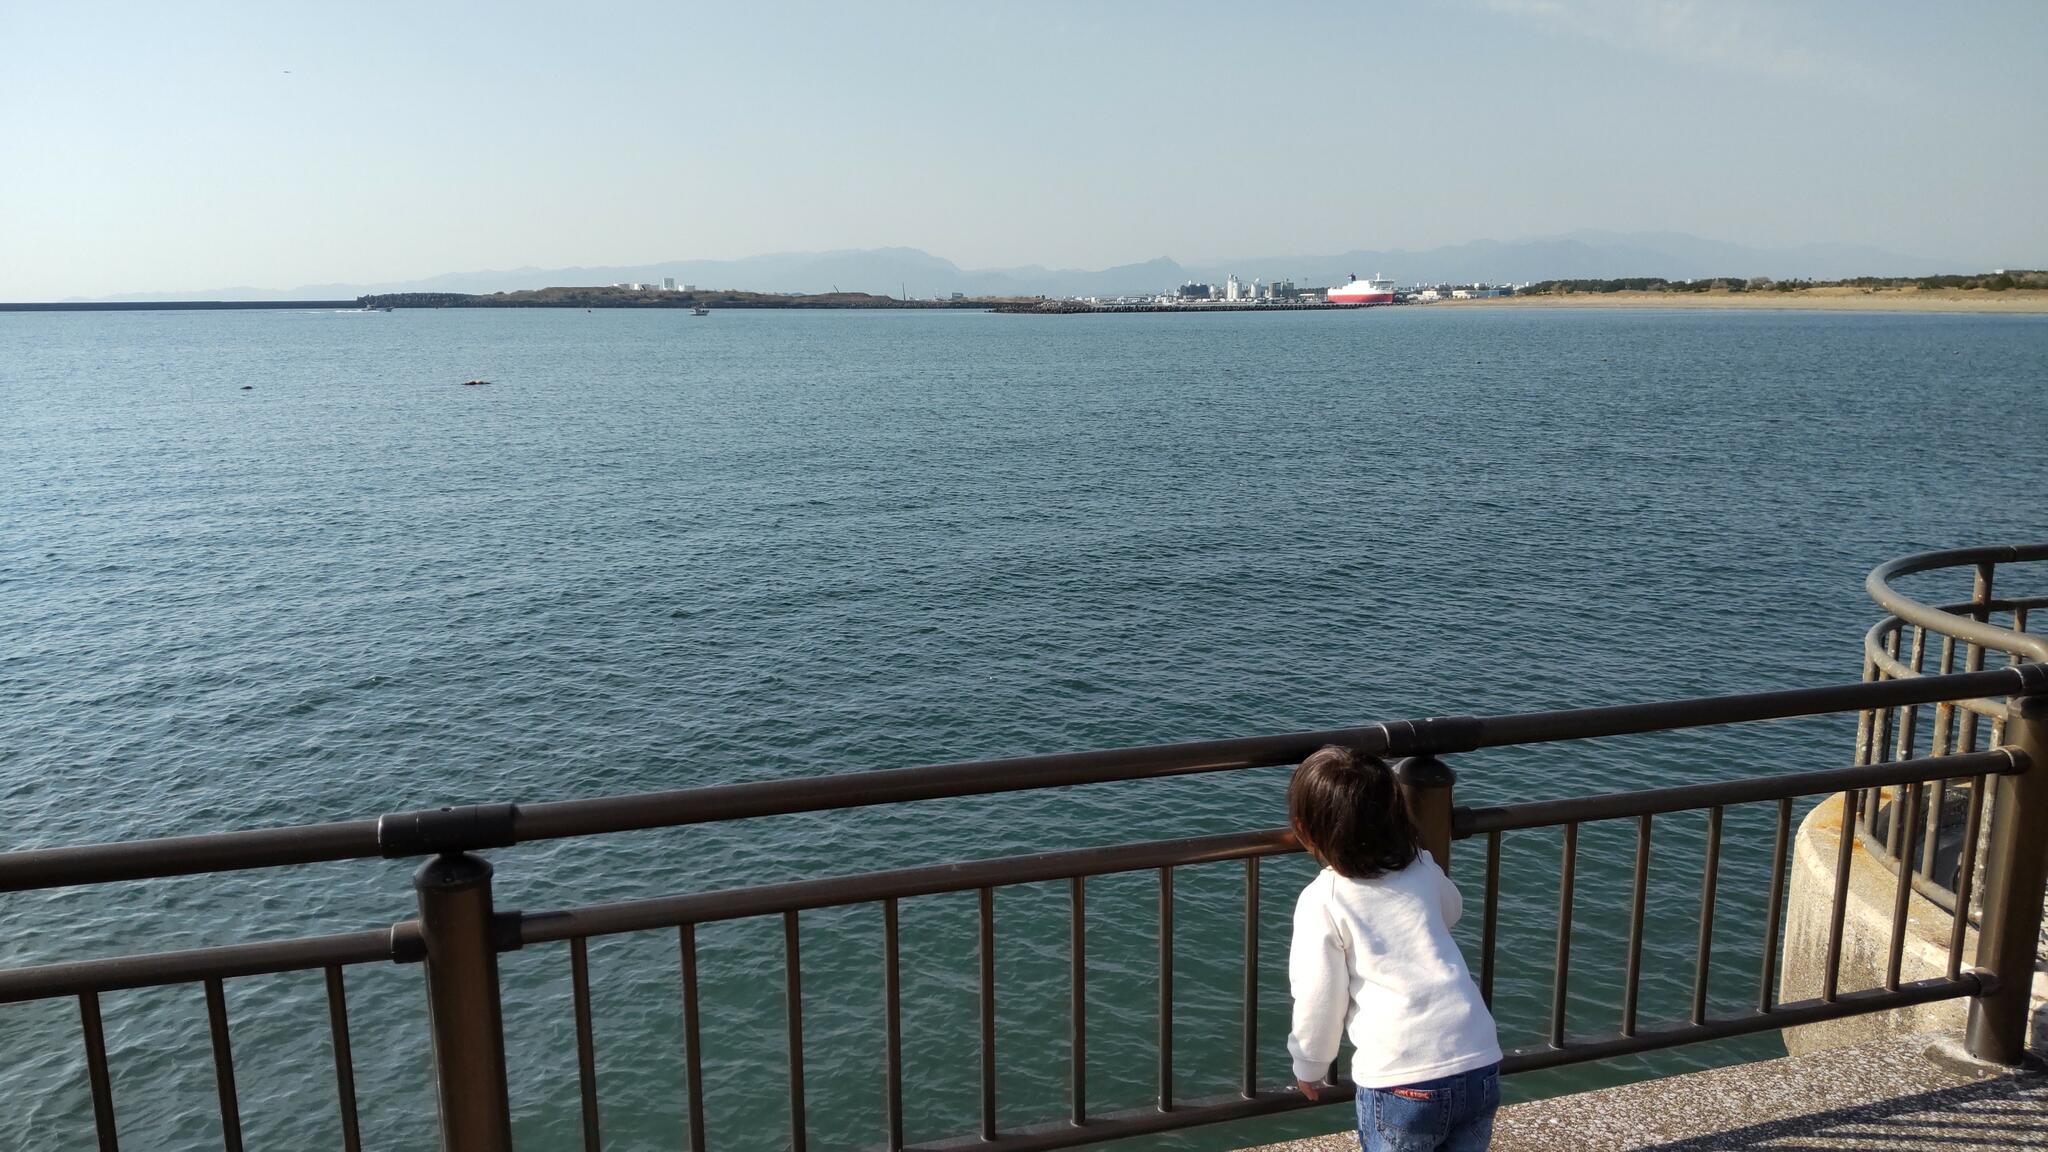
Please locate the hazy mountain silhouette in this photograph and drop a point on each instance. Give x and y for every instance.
(894, 271)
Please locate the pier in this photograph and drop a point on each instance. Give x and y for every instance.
(1972, 670)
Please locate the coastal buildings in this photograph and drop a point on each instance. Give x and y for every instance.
(1236, 293)
(668, 284)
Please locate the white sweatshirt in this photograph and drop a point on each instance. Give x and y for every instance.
(1375, 959)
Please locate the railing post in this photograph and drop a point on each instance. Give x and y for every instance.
(1426, 784)
(462, 1003)
(2016, 871)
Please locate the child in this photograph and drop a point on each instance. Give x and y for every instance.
(1373, 956)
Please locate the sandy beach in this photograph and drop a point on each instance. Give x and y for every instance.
(2016, 301)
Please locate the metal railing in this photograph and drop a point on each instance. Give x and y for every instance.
(458, 934)
(1927, 828)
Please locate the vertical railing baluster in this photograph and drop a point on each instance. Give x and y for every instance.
(693, 1036)
(1875, 801)
(1077, 990)
(892, 1009)
(1166, 989)
(1885, 715)
(1866, 720)
(586, 1042)
(1709, 887)
(1909, 715)
(1895, 829)
(1930, 831)
(1902, 894)
(1638, 897)
(1973, 654)
(96, 1072)
(1880, 733)
(1561, 983)
(1774, 916)
(1945, 710)
(988, 1013)
(2014, 659)
(793, 990)
(1490, 925)
(223, 1065)
(1831, 973)
(1248, 1085)
(1966, 871)
(344, 1060)
(1882, 739)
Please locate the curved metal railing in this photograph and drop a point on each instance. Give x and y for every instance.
(1901, 646)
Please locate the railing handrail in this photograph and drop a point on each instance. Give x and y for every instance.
(1467, 822)
(504, 825)
(1936, 619)
(400, 943)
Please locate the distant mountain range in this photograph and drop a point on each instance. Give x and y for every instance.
(893, 271)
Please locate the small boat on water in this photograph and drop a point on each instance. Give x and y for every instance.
(474, 383)
(700, 310)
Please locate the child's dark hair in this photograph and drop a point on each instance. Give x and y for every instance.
(1344, 804)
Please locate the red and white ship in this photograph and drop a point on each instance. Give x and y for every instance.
(1371, 290)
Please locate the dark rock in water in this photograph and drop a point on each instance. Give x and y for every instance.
(473, 383)
(248, 387)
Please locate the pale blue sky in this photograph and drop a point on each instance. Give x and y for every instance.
(167, 147)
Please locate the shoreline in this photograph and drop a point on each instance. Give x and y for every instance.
(2013, 302)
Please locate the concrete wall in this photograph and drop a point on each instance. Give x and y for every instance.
(1866, 942)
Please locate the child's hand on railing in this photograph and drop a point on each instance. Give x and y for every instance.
(1309, 1090)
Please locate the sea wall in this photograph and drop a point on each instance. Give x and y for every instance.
(1866, 942)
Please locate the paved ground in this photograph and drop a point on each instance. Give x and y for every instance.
(1892, 1096)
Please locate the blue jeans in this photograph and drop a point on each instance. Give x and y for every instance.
(1453, 1114)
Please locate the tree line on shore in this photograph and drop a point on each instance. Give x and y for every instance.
(2001, 281)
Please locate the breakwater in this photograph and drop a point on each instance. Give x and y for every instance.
(173, 305)
(593, 298)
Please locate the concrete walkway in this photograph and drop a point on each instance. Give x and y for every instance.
(1916, 1092)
